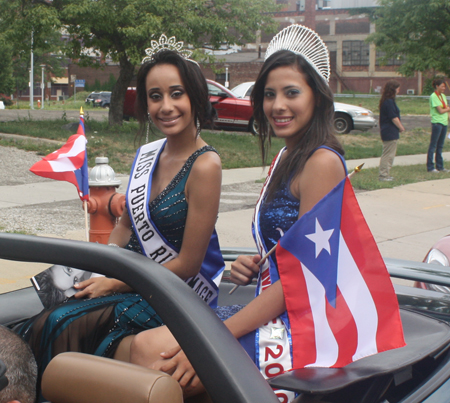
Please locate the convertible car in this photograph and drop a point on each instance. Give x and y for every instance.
(419, 372)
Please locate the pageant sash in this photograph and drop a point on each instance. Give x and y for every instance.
(273, 339)
(153, 244)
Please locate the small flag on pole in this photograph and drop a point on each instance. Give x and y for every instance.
(69, 163)
(339, 297)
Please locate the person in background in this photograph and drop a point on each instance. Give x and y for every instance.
(439, 121)
(390, 128)
(21, 369)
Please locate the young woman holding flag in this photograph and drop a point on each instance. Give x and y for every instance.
(291, 100)
(172, 206)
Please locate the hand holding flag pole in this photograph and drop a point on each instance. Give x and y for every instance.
(69, 163)
(264, 258)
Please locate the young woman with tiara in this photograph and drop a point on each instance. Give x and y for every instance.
(172, 205)
(292, 101)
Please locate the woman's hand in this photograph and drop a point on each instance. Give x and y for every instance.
(97, 287)
(175, 363)
(244, 269)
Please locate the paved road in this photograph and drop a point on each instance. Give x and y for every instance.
(43, 114)
(409, 122)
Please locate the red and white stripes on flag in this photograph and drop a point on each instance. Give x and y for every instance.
(69, 163)
(339, 297)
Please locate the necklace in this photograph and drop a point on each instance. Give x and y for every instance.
(439, 95)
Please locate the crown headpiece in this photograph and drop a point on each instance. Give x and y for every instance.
(304, 42)
(167, 44)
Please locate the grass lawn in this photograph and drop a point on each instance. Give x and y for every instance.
(237, 150)
(408, 105)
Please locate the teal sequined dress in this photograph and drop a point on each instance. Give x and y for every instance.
(96, 326)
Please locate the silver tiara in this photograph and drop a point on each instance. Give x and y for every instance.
(167, 44)
(304, 42)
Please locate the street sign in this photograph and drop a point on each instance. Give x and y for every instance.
(80, 83)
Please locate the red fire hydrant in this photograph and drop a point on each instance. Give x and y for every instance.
(104, 205)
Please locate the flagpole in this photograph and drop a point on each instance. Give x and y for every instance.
(356, 170)
(86, 220)
(264, 258)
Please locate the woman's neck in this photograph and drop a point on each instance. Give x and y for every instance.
(183, 146)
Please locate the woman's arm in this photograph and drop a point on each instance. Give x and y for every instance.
(203, 197)
(398, 123)
(100, 286)
(442, 110)
(322, 172)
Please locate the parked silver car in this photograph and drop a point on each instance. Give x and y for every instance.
(351, 117)
(346, 117)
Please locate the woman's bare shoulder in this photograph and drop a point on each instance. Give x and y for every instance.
(207, 165)
(324, 159)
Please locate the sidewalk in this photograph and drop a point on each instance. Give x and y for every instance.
(405, 220)
(54, 191)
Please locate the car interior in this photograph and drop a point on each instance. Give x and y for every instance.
(408, 374)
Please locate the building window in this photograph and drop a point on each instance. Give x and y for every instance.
(392, 61)
(355, 53)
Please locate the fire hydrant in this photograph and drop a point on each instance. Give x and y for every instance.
(104, 205)
(39, 103)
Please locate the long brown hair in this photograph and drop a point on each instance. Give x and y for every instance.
(319, 131)
(389, 91)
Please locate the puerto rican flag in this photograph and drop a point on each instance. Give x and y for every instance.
(69, 163)
(339, 297)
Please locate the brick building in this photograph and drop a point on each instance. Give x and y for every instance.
(355, 64)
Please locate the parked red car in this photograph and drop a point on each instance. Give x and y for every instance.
(233, 113)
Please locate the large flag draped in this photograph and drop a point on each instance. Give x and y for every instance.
(69, 163)
(339, 296)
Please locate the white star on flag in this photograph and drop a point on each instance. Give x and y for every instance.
(321, 238)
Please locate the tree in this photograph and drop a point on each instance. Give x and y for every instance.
(416, 30)
(25, 25)
(123, 29)
(6, 69)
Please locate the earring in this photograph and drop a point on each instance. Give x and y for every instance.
(199, 129)
(148, 127)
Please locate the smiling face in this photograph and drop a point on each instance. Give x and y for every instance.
(168, 102)
(288, 103)
(67, 277)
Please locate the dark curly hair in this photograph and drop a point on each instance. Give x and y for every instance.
(194, 83)
(320, 129)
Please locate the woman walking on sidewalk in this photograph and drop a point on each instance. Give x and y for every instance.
(390, 128)
(439, 121)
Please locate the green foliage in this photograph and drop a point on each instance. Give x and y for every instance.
(6, 68)
(30, 24)
(123, 29)
(106, 86)
(416, 29)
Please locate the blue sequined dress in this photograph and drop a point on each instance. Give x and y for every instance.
(96, 326)
(280, 212)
